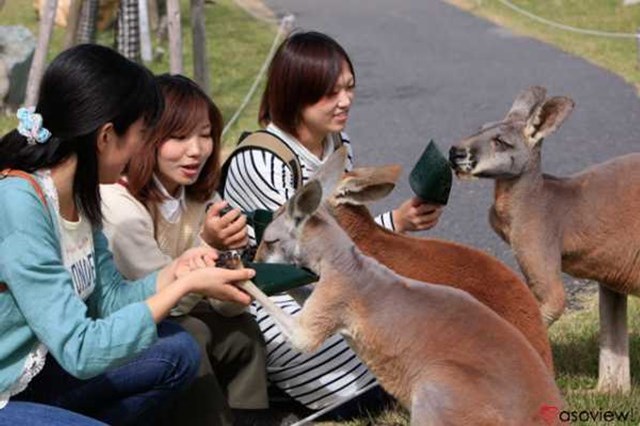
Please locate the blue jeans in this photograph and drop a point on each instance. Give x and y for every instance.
(19, 413)
(130, 394)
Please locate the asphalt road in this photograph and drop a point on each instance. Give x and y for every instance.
(426, 70)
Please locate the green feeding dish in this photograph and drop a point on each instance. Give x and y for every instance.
(259, 219)
(274, 278)
(431, 177)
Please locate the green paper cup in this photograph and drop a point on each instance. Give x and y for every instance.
(273, 278)
(259, 219)
(431, 177)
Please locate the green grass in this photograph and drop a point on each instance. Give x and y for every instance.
(617, 55)
(575, 349)
(237, 45)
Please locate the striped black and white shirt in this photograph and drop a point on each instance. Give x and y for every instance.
(258, 179)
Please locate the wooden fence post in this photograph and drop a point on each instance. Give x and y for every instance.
(73, 20)
(175, 37)
(200, 59)
(145, 31)
(36, 71)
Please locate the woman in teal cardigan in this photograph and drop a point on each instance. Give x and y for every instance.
(73, 333)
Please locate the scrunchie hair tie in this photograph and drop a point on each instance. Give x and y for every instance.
(30, 126)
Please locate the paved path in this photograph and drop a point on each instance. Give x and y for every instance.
(428, 70)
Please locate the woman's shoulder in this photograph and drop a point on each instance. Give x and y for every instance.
(18, 195)
(119, 204)
(20, 206)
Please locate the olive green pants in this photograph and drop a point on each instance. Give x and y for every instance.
(232, 370)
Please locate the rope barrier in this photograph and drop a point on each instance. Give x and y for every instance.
(286, 25)
(567, 27)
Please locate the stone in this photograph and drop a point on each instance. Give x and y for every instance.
(4, 83)
(17, 46)
(630, 2)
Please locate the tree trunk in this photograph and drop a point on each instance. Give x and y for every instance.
(200, 60)
(128, 31)
(175, 37)
(40, 55)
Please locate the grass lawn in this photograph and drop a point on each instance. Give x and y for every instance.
(619, 55)
(237, 45)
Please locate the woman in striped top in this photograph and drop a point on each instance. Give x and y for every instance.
(306, 103)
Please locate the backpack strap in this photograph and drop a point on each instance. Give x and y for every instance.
(36, 186)
(267, 141)
(336, 138)
(29, 178)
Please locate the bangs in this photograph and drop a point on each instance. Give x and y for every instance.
(318, 68)
(184, 116)
(305, 68)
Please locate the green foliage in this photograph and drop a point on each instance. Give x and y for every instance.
(237, 45)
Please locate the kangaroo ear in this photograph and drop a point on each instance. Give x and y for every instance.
(366, 184)
(331, 171)
(305, 202)
(548, 118)
(526, 103)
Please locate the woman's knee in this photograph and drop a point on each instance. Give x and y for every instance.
(180, 351)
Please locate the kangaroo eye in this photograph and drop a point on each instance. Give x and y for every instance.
(502, 143)
(271, 242)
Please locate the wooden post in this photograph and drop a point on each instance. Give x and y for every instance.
(200, 61)
(154, 14)
(39, 57)
(73, 20)
(175, 37)
(145, 31)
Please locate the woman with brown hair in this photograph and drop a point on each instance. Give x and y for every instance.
(305, 108)
(158, 211)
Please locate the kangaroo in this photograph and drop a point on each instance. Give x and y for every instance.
(435, 261)
(445, 356)
(586, 225)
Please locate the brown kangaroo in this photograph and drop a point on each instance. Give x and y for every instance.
(444, 355)
(586, 225)
(435, 261)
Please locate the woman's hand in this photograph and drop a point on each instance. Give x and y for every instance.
(225, 232)
(195, 258)
(416, 215)
(218, 283)
(196, 278)
(191, 259)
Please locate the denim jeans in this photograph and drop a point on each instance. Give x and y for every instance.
(131, 394)
(22, 413)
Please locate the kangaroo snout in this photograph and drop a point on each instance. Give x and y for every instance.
(461, 159)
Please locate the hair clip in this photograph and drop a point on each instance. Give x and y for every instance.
(30, 126)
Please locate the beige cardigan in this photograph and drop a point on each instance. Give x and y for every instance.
(142, 241)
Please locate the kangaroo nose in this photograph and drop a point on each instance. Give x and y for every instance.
(456, 154)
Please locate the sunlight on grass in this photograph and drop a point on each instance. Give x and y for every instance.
(237, 46)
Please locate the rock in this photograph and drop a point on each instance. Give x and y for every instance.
(17, 45)
(630, 2)
(4, 83)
